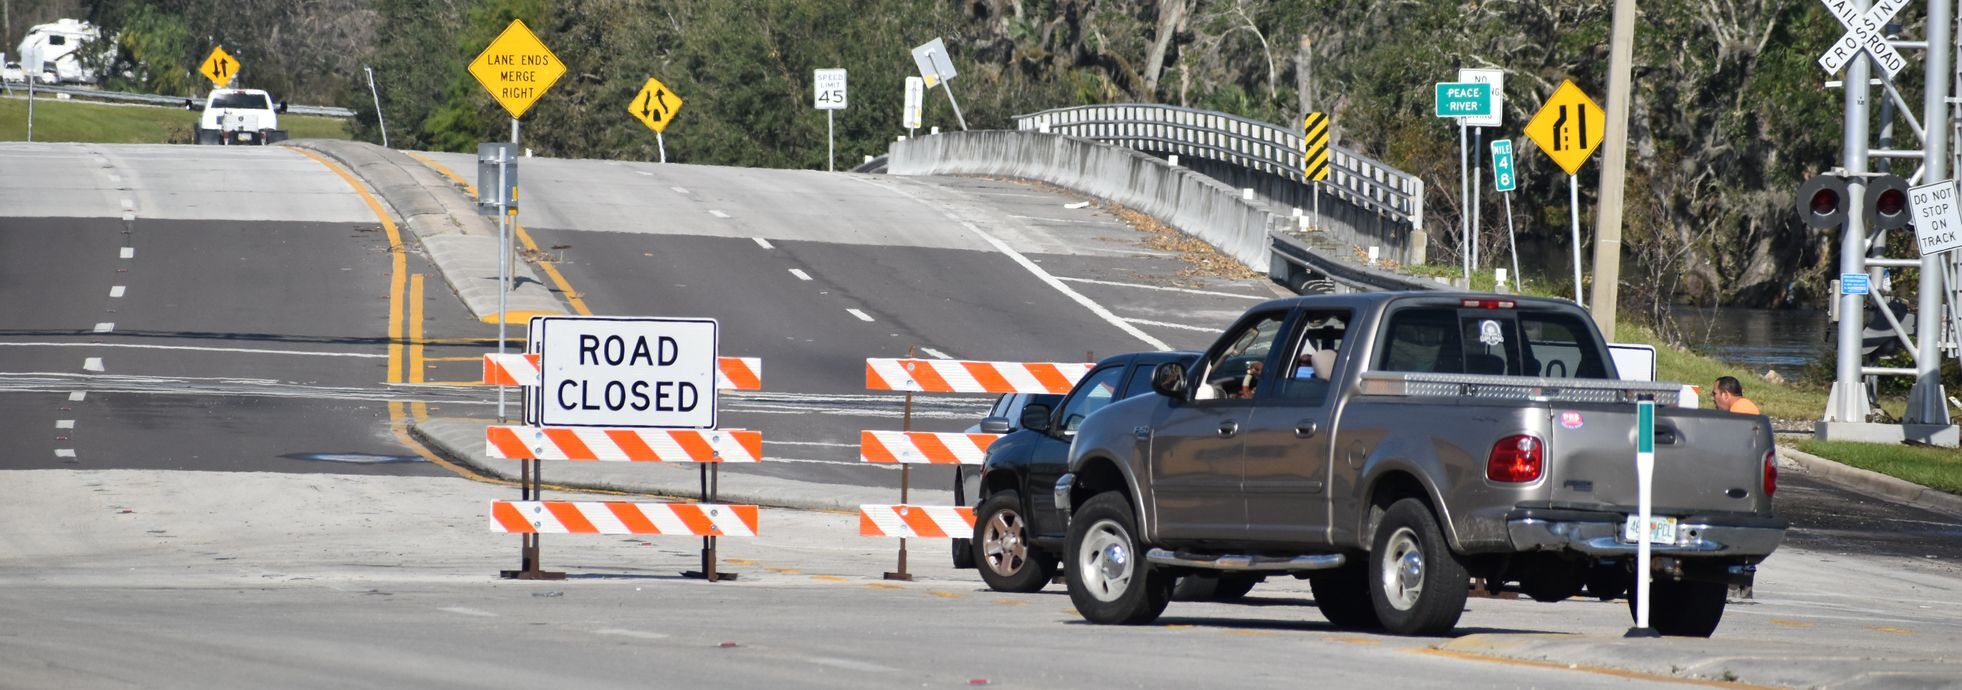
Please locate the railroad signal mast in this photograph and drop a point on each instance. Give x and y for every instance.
(1866, 205)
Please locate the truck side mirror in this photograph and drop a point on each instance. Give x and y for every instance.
(995, 425)
(1035, 417)
(1169, 380)
(282, 107)
(188, 105)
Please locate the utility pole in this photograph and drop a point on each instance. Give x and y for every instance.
(1614, 166)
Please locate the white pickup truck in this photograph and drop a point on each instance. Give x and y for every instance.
(239, 116)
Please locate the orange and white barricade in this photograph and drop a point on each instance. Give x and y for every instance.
(908, 448)
(612, 517)
(623, 445)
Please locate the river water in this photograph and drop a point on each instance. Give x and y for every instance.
(1782, 340)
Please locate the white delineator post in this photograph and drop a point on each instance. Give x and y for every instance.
(1574, 213)
(1644, 486)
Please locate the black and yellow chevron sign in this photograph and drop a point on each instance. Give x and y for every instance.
(1314, 153)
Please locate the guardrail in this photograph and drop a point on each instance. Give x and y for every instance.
(1365, 182)
(154, 99)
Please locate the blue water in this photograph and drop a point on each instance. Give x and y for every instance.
(1781, 340)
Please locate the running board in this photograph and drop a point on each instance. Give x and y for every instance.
(1323, 561)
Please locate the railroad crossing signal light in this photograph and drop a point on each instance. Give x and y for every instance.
(1822, 201)
(1887, 203)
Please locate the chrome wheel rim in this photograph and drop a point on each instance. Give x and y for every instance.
(1003, 544)
(1403, 570)
(1104, 562)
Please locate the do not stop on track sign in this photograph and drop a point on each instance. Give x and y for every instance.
(627, 372)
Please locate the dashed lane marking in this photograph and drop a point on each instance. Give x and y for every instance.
(760, 242)
(1163, 324)
(129, 252)
(105, 327)
(679, 190)
(92, 364)
(636, 634)
(801, 275)
(117, 291)
(862, 316)
(78, 396)
(1163, 288)
(718, 214)
(228, 350)
(936, 354)
(129, 204)
(64, 424)
(64, 452)
(128, 216)
(849, 664)
(467, 611)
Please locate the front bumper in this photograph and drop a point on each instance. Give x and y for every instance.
(1598, 533)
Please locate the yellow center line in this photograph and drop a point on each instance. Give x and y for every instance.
(420, 410)
(551, 270)
(1580, 668)
(478, 358)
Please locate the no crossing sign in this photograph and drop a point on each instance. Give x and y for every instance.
(627, 372)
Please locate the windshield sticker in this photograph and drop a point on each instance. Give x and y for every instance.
(1571, 420)
(1489, 333)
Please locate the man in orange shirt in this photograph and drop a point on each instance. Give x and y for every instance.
(1729, 396)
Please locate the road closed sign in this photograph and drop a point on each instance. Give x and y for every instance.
(627, 372)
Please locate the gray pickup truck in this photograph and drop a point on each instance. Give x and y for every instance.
(1391, 447)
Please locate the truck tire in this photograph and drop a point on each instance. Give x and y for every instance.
(1008, 561)
(1684, 608)
(1417, 584)
(1214, 587)
(209, 137)
(1607, 581)
(1343, 596)
(1110, 582)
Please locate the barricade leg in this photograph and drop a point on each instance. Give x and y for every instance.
(711, 480)
(530, 488)
(905, 477)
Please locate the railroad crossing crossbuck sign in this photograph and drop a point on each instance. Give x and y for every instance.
(1863, 32)
(1568, 128)
(655, 105)
(221, 68)
(1314, 141)
(517, 69)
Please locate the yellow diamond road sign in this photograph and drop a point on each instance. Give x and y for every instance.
(1568, 128)
(655, 105)
(221, 68)
(517, 68)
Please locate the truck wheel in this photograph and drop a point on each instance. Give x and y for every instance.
(1419, 586)
(963, 554)
(1109, 580)
(1343, 596)
(1210, 587)
(1007, 560)
(1684, 608)
(208, 137)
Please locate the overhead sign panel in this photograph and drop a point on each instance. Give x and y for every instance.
(1568, 127)
(829, 85)
(1464, 99)
(1864, 33)
(627, 372)
(655, 105)
(1497, 78)
(517, 69)
(1937, 220)
(934, 63)
(221, 68)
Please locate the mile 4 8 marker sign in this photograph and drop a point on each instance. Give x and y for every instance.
(517, 69)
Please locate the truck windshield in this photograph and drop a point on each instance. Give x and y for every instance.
(1527, 342)
(242, 101)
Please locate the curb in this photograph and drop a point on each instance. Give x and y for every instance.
(1874, 483)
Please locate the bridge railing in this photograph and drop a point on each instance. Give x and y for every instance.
(1366, 183)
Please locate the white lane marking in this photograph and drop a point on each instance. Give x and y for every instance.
(129, 204)
(115, 178)
(935, 353)
(862, 316)
(760, 242)
(117, 291)
(1142, 286)
(78, 396)
(1040, 218)
(129, 252)
(718, 214)
(92, 364)
(241, 350)
(679, 190)
(849, 665)
(64, 452)
(801, 275)
(643, 172)
(1180, 326)
(636, 634)
(105, 327)
(64, 424)
(1031, 267)
(128, 216)
(467, 611)
(825, 444)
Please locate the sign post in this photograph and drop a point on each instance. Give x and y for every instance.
(915, 100)
(655, 106)
(1568, 128)
(1497, 78)
(936, 68)
(517, 69)
(829, 97)
(1462, 100)
(1314, 155)
(1505, 179)
(1645, 522)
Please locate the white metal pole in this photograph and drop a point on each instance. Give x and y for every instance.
(1926, 404)
(378, 104)
(1574, 212)
(661, 142)
(1464, 205)
(503, 250)
(1478, 188)
(1644, 487)
(1512, 241)
(949, 88)
(830, 142)
(1848, 401)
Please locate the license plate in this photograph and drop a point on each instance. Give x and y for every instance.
(244, 136)
(1662, 530)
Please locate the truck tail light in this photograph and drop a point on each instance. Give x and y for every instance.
(1516, 459)
(1470, 303)
(1770, 472)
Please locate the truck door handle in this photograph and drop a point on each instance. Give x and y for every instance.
(1228, 428)
(1307, 429)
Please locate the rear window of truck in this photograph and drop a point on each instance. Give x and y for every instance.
(1526, 342)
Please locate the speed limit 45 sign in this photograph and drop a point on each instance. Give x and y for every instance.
(830, 89)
